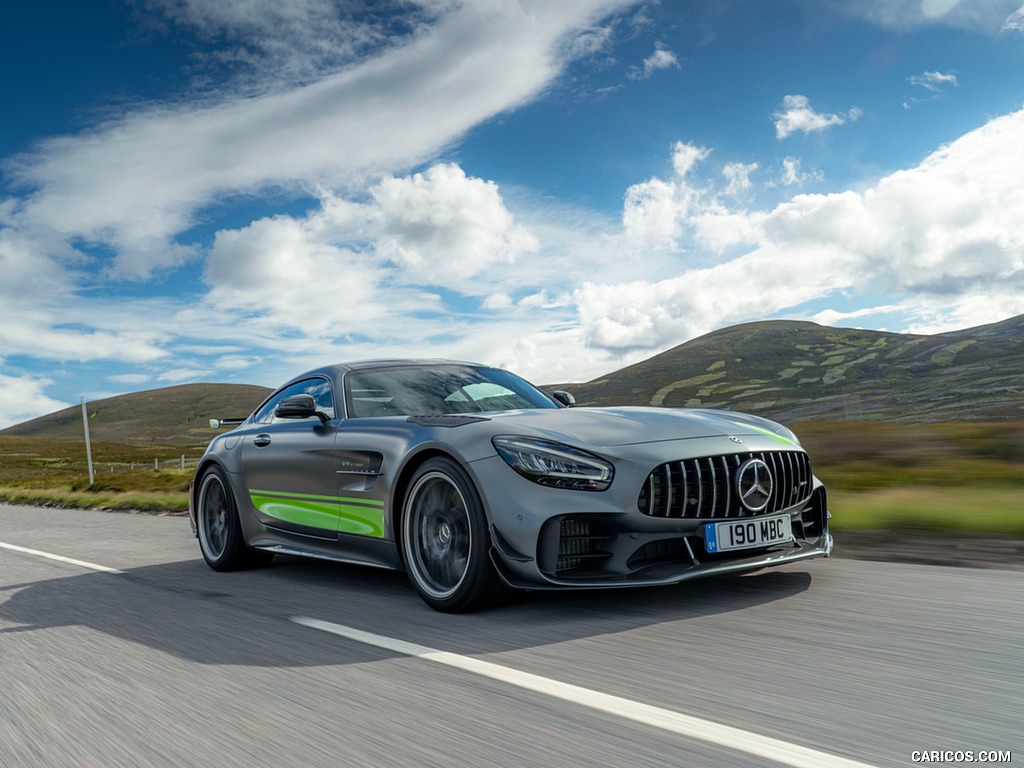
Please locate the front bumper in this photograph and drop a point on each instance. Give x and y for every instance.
(544, 538)
(670, 571)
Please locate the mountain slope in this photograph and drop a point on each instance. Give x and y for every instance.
(176, 415)
(796, 371)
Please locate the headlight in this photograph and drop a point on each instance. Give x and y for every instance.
(554, 464)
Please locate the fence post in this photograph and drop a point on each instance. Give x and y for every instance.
(156, 464)
(183, 462)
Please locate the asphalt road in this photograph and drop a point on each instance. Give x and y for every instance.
(167, 663)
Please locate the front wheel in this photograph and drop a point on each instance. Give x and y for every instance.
(220, 533)
(445, 542)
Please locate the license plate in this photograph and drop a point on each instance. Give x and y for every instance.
(747, 534)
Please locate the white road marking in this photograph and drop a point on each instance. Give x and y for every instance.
(59, 558)
(685, 725)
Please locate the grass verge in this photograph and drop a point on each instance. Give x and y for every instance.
(167, 502)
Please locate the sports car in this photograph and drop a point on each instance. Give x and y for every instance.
(475, 482)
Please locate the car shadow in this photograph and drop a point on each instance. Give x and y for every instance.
(246, 618)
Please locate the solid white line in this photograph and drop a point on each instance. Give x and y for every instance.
(685, 725)
(59, 558)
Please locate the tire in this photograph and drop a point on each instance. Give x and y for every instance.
(445, 543)
(220, 533)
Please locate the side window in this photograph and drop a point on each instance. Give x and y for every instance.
(320, 389)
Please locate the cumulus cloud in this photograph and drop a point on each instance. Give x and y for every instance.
(325, 275)
(653, 209)
(446, 227)
(943, 235)
(797, 114)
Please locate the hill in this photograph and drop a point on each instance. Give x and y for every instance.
(177, 415)
(797, 371)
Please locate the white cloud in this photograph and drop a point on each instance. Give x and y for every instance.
(792, 175)
(1014, 22)
(797, 114)
(661, 58)
(325, 274)
(987, 16)
(260, 46)
(129, 378)
(178, 375)
(443, 227)
(933, 81)
(943, 235)
(389, 113)
(738, 177)
(653, 209)
(23, 398)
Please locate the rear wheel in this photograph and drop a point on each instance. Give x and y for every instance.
(445, 542)
(220, 533)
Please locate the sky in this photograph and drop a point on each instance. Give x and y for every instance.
(241, 190)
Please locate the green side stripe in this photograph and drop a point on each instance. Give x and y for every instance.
(364, 517)
(766, 432)
(317, 497)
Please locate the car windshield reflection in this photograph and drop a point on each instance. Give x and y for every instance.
(439, 390)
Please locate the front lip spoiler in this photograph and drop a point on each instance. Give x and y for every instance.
(821, 547)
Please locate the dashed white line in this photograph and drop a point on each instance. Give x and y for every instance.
(685, 725)
(59, 558)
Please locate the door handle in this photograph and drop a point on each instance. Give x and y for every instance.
(261, 441)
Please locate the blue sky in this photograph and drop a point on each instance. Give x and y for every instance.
(236, 191)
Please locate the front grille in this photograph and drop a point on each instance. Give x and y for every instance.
(706, 487)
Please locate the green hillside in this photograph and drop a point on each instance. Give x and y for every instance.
(172, 416)
(800, 371)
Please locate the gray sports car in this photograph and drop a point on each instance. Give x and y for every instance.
(474, 481)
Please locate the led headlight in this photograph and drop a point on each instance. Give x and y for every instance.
(554, 464)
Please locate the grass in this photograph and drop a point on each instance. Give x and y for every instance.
(955, 477)
(44, 471)
(974, 510)
(150, 501)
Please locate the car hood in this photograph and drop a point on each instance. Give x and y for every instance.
(633, 426)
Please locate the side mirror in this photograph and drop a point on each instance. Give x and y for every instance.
(564, 398)
(298, 407)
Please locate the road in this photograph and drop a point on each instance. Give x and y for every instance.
(163, 662)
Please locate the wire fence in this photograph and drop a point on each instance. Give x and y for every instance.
(179, 464)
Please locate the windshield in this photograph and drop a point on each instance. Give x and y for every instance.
(445, 389)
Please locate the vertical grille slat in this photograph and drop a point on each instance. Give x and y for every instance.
(726, 484)
(667, 481)
(684, 499)
(705, 487)
(700, 489)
